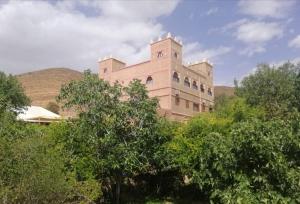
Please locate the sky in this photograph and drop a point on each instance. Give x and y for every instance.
(235, 35)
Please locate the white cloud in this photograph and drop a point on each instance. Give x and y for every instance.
(251, 50)
(295, 42)
(254, 34)
(38, 34)
(212, 11)
(195, 52)
(266, 8)
(258, 32)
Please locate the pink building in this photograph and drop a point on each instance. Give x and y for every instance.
(183, 90)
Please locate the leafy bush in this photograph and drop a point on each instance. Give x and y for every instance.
(256, 161)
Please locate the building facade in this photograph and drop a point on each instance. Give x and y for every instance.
(183, 90)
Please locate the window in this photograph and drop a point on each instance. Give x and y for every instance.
(149, 80)
(210, 108)
(195, 86)
(202, 88)
(176, 77)
(208, 73)
(187, 82)
(177, 100)
(209, 91)
(187, 104)
(160, 54)
(175, 54)
(196, 107)
(203, 107)
(104, 70)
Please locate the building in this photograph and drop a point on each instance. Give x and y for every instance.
(36, 114)
(183, 90)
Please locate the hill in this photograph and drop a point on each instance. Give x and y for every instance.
(44, 85)
(226, 90)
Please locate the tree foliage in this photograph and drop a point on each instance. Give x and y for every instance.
(12, 96)
(116, 134)
(272, 88)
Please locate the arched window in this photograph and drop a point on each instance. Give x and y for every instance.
(209, 91)
(195, 86)
(187, 82)
(176, 77)
(202, 88)
(149, 80)
(104, 70)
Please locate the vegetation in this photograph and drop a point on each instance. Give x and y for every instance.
(119, 150)
(53, 107)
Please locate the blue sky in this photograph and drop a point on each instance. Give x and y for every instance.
(235, 35)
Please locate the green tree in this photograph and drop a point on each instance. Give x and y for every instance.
(254, 162)
(11, 93)
(116, 132)
(272, 88)
(297, 91)
(31, 170)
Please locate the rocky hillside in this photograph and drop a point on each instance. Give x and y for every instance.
(43, 86)
(226, 90)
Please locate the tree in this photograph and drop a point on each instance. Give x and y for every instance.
(12, 95)
(116, 130)
(297, 91)
(254, 162)
(272, 88)
(31, 170)
(53, 107)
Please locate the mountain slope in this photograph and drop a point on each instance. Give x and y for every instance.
(224, 90)
(44, 85)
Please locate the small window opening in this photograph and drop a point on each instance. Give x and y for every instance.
(209, 91)
(187, 82)
(202, 88)
(175, 55)
(176, 77)
(160, 54)
(195, 86)
(177, 100)
(149, 80)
